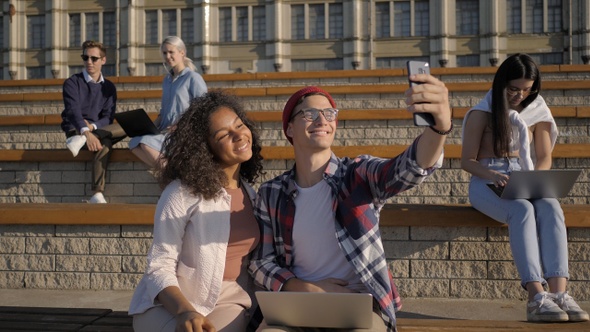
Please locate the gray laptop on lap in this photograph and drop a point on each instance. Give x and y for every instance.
(322, 310)
(136, 123)
(553, 183)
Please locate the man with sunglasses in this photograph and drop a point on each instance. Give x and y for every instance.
(89, 109)
(320, 220)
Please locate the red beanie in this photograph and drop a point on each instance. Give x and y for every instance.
(294, 101)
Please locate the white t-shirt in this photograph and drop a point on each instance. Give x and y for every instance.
(316, 252)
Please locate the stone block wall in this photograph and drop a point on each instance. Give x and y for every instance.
(442, 262)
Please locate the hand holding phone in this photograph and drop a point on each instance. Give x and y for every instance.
(420, 67)
(495, 189)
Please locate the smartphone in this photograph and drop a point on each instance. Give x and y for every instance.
(497, 190)
(420, 67)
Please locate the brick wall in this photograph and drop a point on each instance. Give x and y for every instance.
(466, 262)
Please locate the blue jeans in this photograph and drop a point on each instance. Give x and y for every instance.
(536, 227)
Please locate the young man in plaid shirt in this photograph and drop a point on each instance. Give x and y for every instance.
(320, 220)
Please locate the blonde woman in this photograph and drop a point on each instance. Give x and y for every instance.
(181, 85)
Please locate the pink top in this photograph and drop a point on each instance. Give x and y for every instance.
(244, 234)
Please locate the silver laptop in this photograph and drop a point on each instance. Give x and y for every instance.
(136, 123)
(322, 310)
(553, 183)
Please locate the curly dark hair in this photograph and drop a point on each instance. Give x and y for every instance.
(188, 155)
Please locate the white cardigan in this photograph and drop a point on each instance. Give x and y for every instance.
(537, 111)
(188, 249)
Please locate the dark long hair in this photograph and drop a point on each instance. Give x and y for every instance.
(188, 155)
(516, 66)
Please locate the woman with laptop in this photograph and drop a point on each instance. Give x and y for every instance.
(181, 85)
(204, 226)
(512, 129)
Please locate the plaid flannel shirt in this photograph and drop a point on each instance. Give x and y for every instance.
(360, 187)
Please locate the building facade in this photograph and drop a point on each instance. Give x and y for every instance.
(42, 39)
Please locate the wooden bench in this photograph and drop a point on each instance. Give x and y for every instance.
(63, 319)
(452, 151)
(379, 88)
(106, 320)
(439, 215)
(262, 76)
(276, 116)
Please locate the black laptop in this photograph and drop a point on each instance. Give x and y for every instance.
(136, 123)
(553, 183)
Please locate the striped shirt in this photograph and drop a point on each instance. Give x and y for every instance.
(360, 188)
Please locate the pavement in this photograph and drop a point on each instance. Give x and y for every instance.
(425, 308)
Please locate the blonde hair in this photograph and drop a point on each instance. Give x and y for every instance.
(179, 44)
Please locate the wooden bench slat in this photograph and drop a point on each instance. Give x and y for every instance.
(86, 214)
(101, 328)
(48, 318)
(583, 111)
(38, 326)
(44, 96)
(22, 120)
(140, 94)
(461, 215)
(399, 215)
(54, 311)
(294, 75)
(280, 91)
(452, 151)
(276, 116)
(63, 319)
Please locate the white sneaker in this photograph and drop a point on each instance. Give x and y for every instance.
(75, 143)
(573, 310)
(543, 309)
(97, 198)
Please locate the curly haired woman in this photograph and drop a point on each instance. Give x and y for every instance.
(204, 229)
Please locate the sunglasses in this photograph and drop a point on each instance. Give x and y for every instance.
(93, 58)
(312, 114)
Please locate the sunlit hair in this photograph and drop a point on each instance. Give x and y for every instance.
(179, 44)
(94, 44)
(515, 67)
(188, 155)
